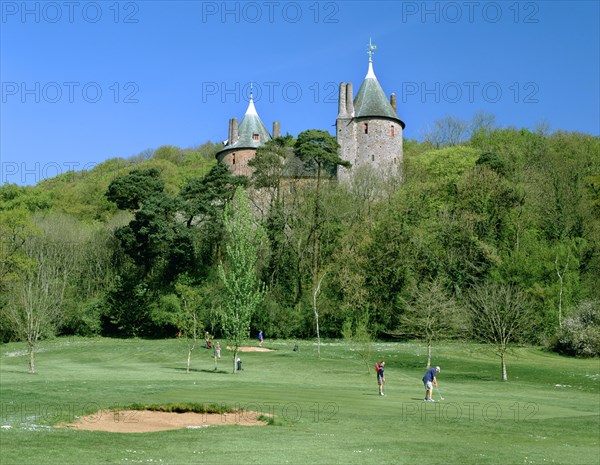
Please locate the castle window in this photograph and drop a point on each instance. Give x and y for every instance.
(372, 157)
(254, 136)
(366, 128)
(233, 159)
(392, 130)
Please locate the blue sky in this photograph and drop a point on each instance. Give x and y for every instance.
(83, 82)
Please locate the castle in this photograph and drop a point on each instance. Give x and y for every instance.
(368, 131)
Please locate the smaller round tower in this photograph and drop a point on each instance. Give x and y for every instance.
(243, 140)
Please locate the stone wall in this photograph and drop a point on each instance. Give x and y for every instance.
(370, 142)
(379, 144)
(346, 137)
(237, 161)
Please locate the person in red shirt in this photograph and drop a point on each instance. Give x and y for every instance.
(380, 376)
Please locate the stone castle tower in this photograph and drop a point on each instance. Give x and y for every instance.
(368, 128)
(368, 131)
(243, 140)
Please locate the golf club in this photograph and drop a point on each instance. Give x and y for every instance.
(438, 390)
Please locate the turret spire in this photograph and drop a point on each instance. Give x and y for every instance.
(251, 108)
(370, 100)
(370, 51)
(372, 48)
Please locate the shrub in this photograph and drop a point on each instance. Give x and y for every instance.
(580, 333)
(84, 319)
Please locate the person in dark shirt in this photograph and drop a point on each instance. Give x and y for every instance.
(430, 380)
(380, 376)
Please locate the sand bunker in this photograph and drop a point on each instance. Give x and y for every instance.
(251, 349)
(146, 421)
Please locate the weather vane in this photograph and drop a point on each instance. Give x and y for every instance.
(372, 48)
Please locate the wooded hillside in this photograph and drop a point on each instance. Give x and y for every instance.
(109, 251)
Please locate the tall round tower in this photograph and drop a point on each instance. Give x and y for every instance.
(369, 130)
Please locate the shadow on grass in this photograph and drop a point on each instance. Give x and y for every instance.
(195, 370)
(21, 372)
(215, 371)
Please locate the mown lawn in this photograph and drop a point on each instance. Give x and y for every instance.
(326, 410)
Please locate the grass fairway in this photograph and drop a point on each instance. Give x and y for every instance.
(326, 411)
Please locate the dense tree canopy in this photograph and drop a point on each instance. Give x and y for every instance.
(481, 208)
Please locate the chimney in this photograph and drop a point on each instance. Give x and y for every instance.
(234, 131)
(342, 113)
(230, 130)
(393, 101)
(276, 130)
(349, 100)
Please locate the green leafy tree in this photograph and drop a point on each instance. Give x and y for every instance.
(129, 304)
(493, 162)
(269, 165)
(485, 200)
(392, 252)
(560, 185)
(203, 201)
(243, 291)
(317, 148)
(15, 227)
(148, 239)
(130, 191)
(205, 197)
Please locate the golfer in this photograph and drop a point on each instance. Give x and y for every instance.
(260, 338)
(430, 380)
(381, 377)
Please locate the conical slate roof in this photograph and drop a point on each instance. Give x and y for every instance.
(251, 124)
(371, 100)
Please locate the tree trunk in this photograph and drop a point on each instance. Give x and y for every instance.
(235, 353)
(368, 365)
(298, 275)
(318, 335)
(429, 355)
(503, 363)
(316, 291)
(518, 228)
(194, 340)
(315, 232)
(560, 294)
(31, 352)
